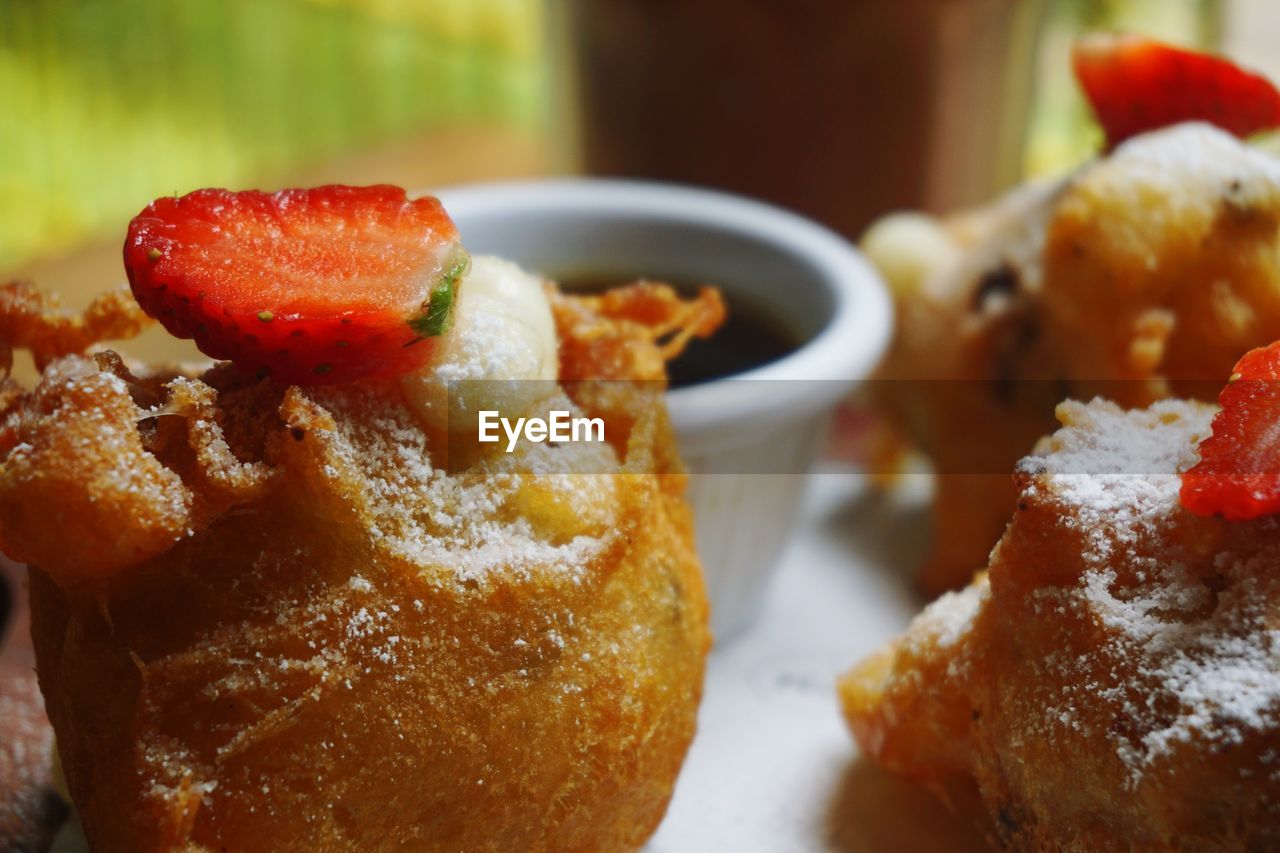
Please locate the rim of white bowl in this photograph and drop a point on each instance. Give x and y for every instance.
(840, 355)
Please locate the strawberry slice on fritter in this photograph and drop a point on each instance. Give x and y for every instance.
(1136, 84)
(311, 286)
(1238, 475)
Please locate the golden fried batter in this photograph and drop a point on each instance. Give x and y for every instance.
(31, 319)
(632, 332)
(267, 618)
(1140, 276)
(1113, 681)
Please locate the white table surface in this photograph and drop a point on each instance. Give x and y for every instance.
(773, 767)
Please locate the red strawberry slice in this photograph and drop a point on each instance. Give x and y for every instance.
(1238, 475)
(1136, 84)
(310, 287)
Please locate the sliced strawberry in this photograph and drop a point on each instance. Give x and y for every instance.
(311, 287)
(1136, 85)
(1238, 475)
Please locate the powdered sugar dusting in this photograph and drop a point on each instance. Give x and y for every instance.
(1118, 470)
(944, 622)
(1189, 163)
(477, 520)
(1186, 654)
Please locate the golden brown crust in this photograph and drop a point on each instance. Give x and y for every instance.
(916, 726)
(91, 482)
(631, 332)
(1113, 681)
(1139, 277)
(336, 644)
(34, 320)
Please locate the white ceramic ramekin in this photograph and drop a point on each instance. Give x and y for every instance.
(748, 440)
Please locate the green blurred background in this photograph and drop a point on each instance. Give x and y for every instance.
(109, 103)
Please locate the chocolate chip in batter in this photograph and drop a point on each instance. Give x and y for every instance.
(1001, 281)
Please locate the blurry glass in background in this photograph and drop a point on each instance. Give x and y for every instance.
(845, 110)
(837, 109)
(110, 103)
(842, 109)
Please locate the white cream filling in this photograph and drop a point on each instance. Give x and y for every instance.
(907, 248)
(502, 341)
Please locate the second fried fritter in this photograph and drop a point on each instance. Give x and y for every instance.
(1141, 276)
(1113, 681)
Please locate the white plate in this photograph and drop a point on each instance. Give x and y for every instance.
(773, 767)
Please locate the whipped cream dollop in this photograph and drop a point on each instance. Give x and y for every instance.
(501, 353)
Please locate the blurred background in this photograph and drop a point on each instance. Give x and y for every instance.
(840, 109)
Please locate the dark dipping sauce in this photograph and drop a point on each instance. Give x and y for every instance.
(750, 337)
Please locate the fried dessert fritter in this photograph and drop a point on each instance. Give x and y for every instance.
(1139, 277)
(1112, 682)
(274, 618)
